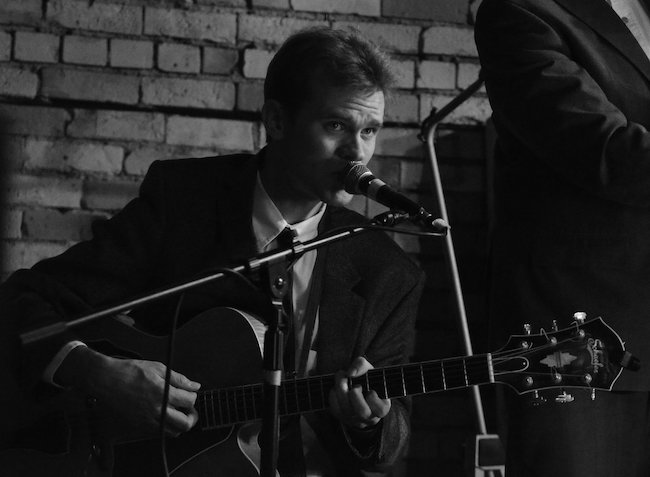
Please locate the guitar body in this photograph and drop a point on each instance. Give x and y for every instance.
(218, 348)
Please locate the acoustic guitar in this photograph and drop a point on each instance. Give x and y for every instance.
(221, 349)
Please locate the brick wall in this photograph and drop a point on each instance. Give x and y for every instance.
(91, 92)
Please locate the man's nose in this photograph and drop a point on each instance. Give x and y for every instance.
(352, 150)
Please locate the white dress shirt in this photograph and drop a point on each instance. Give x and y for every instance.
(636, 18)
(268, 223)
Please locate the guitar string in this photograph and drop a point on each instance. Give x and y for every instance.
(454, 371)
(405, 375)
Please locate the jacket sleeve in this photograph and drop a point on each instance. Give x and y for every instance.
(114, 265)
(554, 94)
(376, 450)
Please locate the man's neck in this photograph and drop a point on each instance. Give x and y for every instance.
(274, 179)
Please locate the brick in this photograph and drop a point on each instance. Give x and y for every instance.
(89, 85)
(218, 27)
(400, 38)
(47, 191)
(11, 223)
(404, 71)
(436, 75)
(139, 126)
(34, 120)
(402, 107)
(272, 30)
(95, 16)
(473, 10)
(85, 50)
(13, 153)
(223, 3)
(101, 195)
(20, 11)
(402, 142)
(5, 46)
(131, 53)
(220, 61)
(137, 162)
(18, 82)
(224, 134)
(256, 62)
(467, 74)
(453, 11)
(86, 157)
(33, 46)
(281, 4)
(449, 40)
(179, 58)
(51, 224)
(475, 110)
(193, 93)
(371, 8)
(250, 96)
(19, 255)
(129, 125)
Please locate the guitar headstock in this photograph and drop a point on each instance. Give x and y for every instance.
(583, 355)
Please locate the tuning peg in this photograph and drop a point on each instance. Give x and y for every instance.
(580, 317)
(593, 394)
(564, 398)
(527, 331)
(554, 326)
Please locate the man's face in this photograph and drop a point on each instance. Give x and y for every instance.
(328, 132)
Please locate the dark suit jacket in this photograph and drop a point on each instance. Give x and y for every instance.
(193, 214)
(570, 90)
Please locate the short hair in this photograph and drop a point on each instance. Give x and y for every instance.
(339, 58)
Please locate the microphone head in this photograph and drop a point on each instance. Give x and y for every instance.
(353, 174)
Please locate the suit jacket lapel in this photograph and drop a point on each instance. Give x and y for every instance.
(604, 21)
(341, 307)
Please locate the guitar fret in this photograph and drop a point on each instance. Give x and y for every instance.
(403, 382)
(424, 386)
(465, 373)
(444, 379)
(490, 368)
(383, 372)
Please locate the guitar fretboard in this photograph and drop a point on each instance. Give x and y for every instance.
(228, 406)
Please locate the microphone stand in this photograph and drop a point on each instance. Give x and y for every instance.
(427, 134)
(270, 262)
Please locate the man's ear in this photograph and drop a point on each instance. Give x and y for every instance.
(273, 117)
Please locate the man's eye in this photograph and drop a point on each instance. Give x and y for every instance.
(369, 131)
(335, 126)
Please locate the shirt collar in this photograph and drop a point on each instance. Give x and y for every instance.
(268, 222)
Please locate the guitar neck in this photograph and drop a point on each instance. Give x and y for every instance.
(228, 406)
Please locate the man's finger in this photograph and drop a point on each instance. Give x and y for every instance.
(180, 381)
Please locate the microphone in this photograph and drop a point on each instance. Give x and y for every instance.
(359, 180)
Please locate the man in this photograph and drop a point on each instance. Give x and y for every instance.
(569, 84)
(324, 105)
